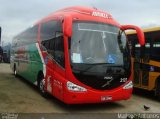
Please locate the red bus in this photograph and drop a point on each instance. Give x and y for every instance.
(77, 54)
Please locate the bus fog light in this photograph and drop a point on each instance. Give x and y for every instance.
(128, 85)
(73, 87)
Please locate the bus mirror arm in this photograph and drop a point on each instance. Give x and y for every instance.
(140, 33)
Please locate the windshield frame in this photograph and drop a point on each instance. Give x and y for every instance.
(99, 23)
(93, 75)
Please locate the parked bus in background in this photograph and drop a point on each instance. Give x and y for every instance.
(77, 54)
(146, 60)
(1, 54)
(6, 53)
(1, 50)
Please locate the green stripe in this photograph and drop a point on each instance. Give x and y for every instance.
(29, 68)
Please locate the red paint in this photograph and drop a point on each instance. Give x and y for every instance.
(139, 32)
(60, 76)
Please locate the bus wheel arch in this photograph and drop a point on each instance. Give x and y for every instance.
(41, 83)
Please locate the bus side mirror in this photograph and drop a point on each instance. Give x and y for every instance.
(140, 33)
(67, 26)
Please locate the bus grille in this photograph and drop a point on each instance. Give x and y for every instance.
(98, 82)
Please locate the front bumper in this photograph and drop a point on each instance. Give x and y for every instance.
(95, 96)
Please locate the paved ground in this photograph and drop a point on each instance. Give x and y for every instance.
(16, 95)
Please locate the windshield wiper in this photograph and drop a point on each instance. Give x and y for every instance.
(85, 70)
(90, 66)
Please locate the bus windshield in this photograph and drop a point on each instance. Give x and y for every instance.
(96, 43)
(96, 51)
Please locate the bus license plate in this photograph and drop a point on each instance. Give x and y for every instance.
(106, 98)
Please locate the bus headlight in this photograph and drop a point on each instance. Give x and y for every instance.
(128, 85)
(73, 87)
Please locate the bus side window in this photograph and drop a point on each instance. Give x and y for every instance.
(59, 49)
(52, 40)
(133, 48)
(51, 47)
(156, 49)
(146, 50)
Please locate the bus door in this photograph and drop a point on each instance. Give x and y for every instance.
(141, 68)
(48, 51)
(137, 64)
(145, 54)
(53, 43)
(55, 64)
(47, 35)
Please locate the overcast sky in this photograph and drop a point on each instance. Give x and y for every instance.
(17, 15)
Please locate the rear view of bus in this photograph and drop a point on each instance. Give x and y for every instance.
(87, 60)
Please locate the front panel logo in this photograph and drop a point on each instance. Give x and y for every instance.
(100, 14)
(108, 77)
(108, 80)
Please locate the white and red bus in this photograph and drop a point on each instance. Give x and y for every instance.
(77, 54)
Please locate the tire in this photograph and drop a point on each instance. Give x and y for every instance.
(41, 85)
(158, 90)
(15, 71)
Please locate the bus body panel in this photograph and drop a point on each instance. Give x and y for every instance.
(28, 62)
(81, 13)
(96, 97)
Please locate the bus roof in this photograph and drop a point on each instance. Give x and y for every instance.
(82, 13)
(145, 30)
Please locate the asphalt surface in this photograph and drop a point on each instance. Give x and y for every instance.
(19, 96)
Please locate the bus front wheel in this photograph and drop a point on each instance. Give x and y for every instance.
(158, 89)
(41, 85)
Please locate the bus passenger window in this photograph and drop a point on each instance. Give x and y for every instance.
(59, 50)
(155, 51)
(52, 40)
(48, 45)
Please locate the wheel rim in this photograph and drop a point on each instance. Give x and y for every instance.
(42, 86)
(15, 72)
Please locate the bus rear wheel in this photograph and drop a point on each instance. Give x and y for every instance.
(41, 85)
(158, 90)
(15, 71)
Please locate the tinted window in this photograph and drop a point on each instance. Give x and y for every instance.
(48, 29)
(59, 50)
(29, 36)
(52, 40)
(155, 52)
